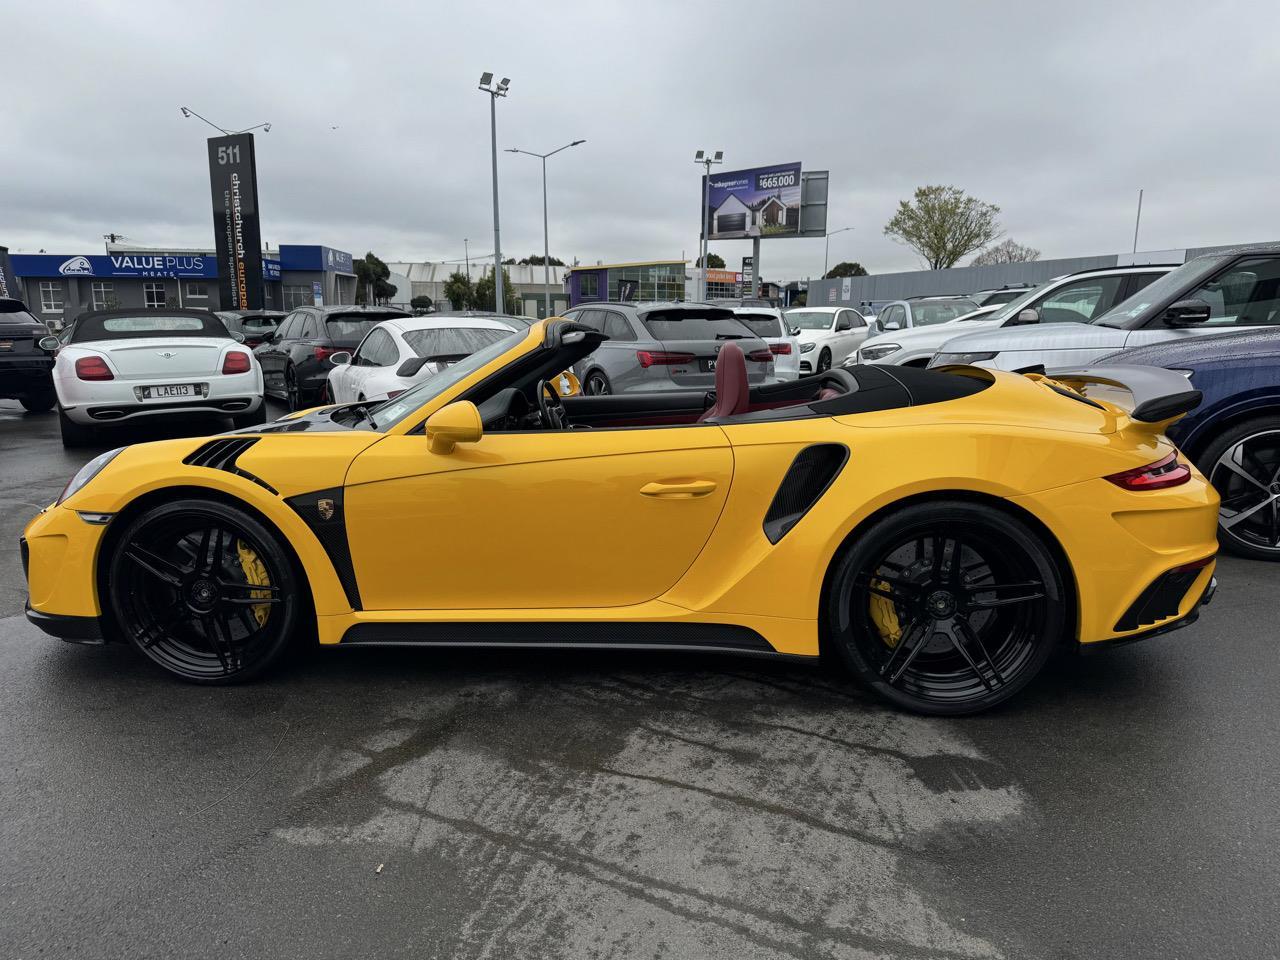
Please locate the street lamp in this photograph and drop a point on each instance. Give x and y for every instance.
(827, 248)
(546, 243)
(188, 112)
(486, 84)
(706, 160)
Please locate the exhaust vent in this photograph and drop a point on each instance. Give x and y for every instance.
(222, 453)
(807, 479)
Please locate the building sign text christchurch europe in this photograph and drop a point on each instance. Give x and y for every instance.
(233, 182)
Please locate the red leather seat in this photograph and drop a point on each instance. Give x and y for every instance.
(733, 395)
(828, 393)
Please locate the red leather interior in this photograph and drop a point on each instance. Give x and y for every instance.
(733, 395)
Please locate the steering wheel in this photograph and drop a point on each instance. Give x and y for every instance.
(551, 411)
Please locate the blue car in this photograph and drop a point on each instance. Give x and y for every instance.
(1234, 435)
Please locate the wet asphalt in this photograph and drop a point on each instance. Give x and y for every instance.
(392, 803)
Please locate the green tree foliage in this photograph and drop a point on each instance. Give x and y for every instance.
(535, 260)
(846, 268)
(714, 261)
(1010, 251)
(484, 293)
(458, 290)
(421, 304)
(943, 224)
(372, 274)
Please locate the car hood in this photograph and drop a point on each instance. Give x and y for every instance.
(1049, 336)
(938, 333)
(1253, 345)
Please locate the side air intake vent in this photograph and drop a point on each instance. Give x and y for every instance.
(222, 453)
(812, 471)
(324, 513)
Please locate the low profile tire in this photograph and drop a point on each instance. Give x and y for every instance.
(597, 384)
(292, 392)
(204, 591)
(39, 401)
(824, 361)
(946, 608)
(73, 434)
(252, 419)
(1244, 466)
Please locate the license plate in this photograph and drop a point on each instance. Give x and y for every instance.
(708, 365)
(168, 391)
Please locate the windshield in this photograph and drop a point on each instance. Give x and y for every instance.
(393, 411)
(1186, 276)
(148, 324)
(762, 324)
(926, 314)
(451, 341)
(811, 319)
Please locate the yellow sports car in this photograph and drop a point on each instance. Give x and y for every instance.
(941, 532)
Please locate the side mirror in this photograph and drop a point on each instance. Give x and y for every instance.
(1027, 316)
(1186, 312)
(891, 325)
(268, 336)
(237, 336)
(49, 344)
(341, 358)
(411, 367)
(457, 423)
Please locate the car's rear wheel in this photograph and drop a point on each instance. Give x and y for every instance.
(73, 434)
(597, 384)
(38, 401)
(292, 391)
(946, 608)
(1244, 466)
(204, 590)
(824, 361)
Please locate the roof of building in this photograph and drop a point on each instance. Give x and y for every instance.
(636, 263)
(427, 271)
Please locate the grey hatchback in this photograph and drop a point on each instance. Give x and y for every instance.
(663, 346)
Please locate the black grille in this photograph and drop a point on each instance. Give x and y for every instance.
(221, 454)
(1161, 599)
(323, 512)
(26, 558)
(807, 479)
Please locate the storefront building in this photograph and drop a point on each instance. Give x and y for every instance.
(651, 280)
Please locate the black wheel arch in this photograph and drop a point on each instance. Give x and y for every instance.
(1050, 540)
(1212, 430)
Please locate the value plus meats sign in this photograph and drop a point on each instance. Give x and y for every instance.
(233, 177)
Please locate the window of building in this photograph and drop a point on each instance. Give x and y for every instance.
(589, 286)
(654, 281)
(197, 290)
(268, 299)
(103, 294)
(298, 295)
(153, 296)
(51, 296)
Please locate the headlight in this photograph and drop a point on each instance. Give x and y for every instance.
(87, 473)
(946, 359)
(808, 347)
(878, 350)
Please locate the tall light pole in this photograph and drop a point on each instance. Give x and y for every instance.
(826, 252)
(1136, 222)
(486, 84)
(706, 160)
(546, 243)
(188, 112)
(466, 256)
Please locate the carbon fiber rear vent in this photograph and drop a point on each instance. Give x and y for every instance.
(222, 453)
(807, 479)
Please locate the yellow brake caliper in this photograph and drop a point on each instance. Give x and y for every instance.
(884, 616)
(256, 574)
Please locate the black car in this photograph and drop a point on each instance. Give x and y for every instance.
(295, 358)
(253, 325)
(26, 371)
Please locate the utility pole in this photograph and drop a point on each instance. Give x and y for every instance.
(486, 80)
(546, 242)
(706, 160)
(1136, 222)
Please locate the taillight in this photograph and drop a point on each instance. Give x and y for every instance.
(324, 353)
(1154, 476)
(235, 362)
(93, 368)
(761, 356)
(780, 349)
(662, 358)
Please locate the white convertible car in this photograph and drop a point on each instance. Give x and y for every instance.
(134, 365)
(396, 354)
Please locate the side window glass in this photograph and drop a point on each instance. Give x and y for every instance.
(1247, 294)
(289, 328)
(617, 328)
(1081, 301)
(1140, 281)
(311, 328)
(593, 319)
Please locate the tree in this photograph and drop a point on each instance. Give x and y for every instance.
(943, 224)
(422, 303)
(846, 268)
(372, 273)
(1010, 251)
(535, 260)
(484, 294)
(714, 261)
(459, 291)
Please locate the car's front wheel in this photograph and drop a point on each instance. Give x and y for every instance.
(292, 391)
(946, 608)
(204, 590)
(824, 361)
(1244, 467)
(39, 401)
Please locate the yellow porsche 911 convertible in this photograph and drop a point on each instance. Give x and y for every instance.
(940, 532)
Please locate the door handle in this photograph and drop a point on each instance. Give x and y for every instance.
(678, 489)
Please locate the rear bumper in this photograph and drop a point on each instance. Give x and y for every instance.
(1206, 598)
(95, 413)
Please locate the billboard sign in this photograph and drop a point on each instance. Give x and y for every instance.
(173, 265)
(8, 288)
(760, 202)
(749, 275)
(233, 181)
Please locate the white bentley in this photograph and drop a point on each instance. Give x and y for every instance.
(134, 365)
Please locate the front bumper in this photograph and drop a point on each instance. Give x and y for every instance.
(59, 557)
(87, 630)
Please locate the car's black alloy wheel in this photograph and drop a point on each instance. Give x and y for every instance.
(1244, 467)
(824, 361)
(597, 384)
(947, 608)
(204, 590)
(292, 393)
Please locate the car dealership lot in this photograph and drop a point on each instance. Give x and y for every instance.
(545, 805)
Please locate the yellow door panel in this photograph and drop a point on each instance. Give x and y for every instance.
(580, 518)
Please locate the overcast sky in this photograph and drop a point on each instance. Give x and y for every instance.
(1057, 113)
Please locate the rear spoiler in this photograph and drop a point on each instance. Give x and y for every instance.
(1159, 396)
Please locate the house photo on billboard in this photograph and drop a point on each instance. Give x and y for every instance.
(760, 202)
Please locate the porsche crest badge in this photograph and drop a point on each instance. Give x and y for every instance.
(325, 507)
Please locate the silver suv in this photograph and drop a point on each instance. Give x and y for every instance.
(663, 346)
